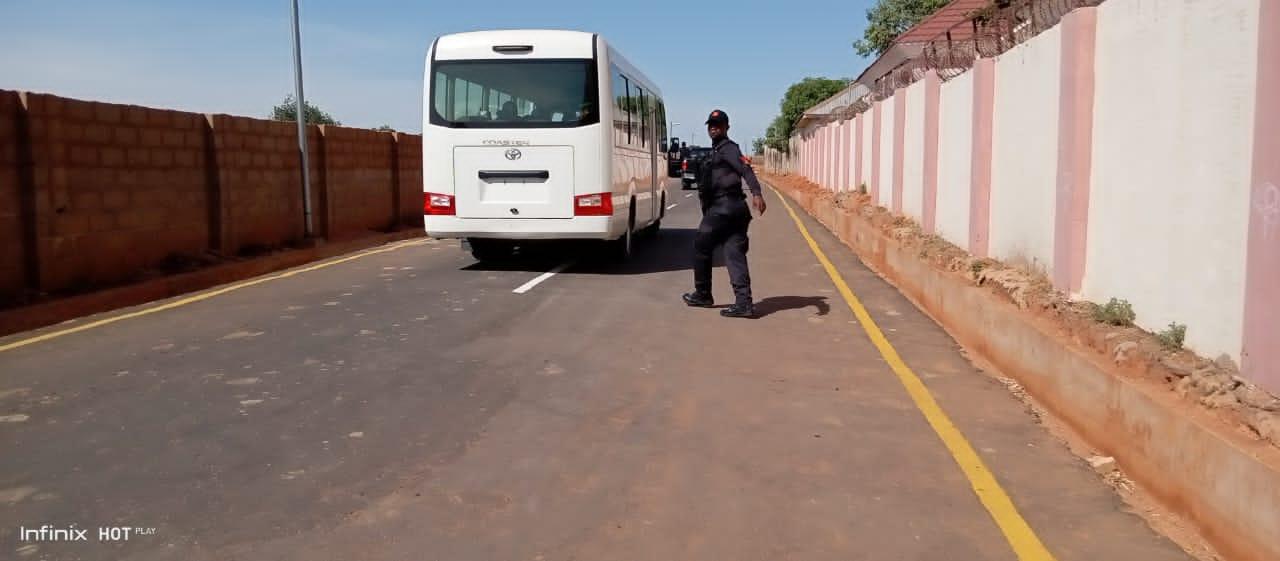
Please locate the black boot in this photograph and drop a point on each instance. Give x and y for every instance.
(739, 311)
(698, 300)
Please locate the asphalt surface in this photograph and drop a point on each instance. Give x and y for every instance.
(409, 405)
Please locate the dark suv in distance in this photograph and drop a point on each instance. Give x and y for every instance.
(691, 164)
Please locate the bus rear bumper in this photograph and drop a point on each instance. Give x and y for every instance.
(576, 228)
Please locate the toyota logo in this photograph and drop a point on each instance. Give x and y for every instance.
(513, 154)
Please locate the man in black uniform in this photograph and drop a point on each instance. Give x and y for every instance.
(725, 218)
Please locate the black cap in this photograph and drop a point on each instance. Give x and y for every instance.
(718, 117)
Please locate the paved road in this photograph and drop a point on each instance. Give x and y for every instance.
(408, 404)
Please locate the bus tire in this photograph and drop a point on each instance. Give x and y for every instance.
(624, 246)
(652, 229)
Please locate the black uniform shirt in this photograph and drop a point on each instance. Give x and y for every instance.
(724, 170)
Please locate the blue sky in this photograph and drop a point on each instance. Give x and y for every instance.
(363, 60)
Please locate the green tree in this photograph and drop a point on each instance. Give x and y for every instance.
(757, 146)
(288, 111)
(800, 97)
(385, 128)
(773, 136)
(890, 18)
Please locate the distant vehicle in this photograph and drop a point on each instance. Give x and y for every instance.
(539, 134)
(674, 157)
(691, 165)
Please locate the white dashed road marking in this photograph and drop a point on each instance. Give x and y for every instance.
(526, 287)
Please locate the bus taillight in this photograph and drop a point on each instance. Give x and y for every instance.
(437, 205)
(598, 204)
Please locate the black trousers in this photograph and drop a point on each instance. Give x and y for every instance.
(724, 223)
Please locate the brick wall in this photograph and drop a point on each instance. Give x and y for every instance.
(94, 194)
(259, 183)
(119, 189)
(359, 166)
(13, 269)
(320, 218)
(409, 167)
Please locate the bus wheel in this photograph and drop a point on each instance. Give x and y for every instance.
(490, 250)
(652, 229)
(622, 247)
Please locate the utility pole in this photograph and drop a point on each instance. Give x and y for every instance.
(301, 118)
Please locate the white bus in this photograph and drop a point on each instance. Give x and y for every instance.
(539, 134)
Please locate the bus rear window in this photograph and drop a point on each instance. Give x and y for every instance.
(526, 93)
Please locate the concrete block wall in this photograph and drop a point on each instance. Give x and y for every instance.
(259, 184)
(13, 256)
(118, 188)
(409, 173)
(322, 211)
(359, 169)
(1116, 172)
(95, 194)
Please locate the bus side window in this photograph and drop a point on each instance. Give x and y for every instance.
(631, 111)
(644, 118)
(660, 122)
(620, 108)
(459, 98)
(442, 92)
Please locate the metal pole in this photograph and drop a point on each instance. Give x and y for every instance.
(301, 118)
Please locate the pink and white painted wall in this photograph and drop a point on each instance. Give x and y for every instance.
(955, 158)
(910, 199)
(1024, 151)
(1132, 152)
(1168, 215)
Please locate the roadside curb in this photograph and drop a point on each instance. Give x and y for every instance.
(52, 312)
(1226, 485)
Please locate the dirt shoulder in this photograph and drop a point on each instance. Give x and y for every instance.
(1214, 385)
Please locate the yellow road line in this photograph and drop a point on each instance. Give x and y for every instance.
(201, 296)
(1026, 545)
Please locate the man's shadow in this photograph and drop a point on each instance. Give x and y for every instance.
(775, 304)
